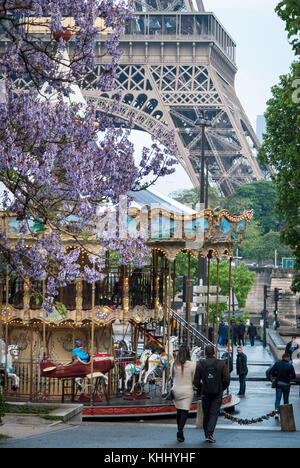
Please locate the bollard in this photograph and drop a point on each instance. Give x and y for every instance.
(199, 419)
(287, 419)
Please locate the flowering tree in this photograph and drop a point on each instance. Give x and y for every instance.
(54, 171)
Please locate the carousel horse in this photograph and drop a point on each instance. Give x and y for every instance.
(132, 370)
(12, 354)
(156, 361)
(196, 354)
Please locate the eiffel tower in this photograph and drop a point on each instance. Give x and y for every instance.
(178, 61)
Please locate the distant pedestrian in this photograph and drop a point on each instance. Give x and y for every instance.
(228, 361)
(211, 379)
(283, 372)
(211, 334)
(291, 347)
(252, 332)
(241, 334)
(241, 370)
(235, 333)
(225, 334)
(183, 374)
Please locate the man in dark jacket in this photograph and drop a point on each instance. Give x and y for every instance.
(234, 333)
(284, 372)
(241, 370)
(215, 377)
(291, 347)
(252, 332)
(241, 334)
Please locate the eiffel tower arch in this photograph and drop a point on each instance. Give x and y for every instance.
(178, 61)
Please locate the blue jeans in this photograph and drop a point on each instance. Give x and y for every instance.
(242, 379)
(285, 391)
(252, 340)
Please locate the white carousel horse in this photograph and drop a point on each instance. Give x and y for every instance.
(12, 354)
(160, 360)
(132, 369)
(196, 354)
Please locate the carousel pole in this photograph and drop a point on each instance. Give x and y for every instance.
(207, 302)
(174, 294)
(229, 312)
(217, 304)
(1, 309)
(168, 316)
(188, 303)
(6, 332)
(44, 322)
(165, 299)
(92, 342)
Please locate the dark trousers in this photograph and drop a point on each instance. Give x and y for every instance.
(241, 340)
(181, 419)
(242, 379)
(211, 405)
(252, 339)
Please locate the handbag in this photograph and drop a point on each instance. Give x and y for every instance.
(274, 382)
(170, 395)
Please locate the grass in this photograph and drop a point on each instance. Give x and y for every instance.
(29, 409)
(3, 437)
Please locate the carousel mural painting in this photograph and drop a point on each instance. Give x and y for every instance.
(116, 371)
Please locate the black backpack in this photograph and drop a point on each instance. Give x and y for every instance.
(211, 384)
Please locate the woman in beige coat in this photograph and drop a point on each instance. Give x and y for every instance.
(183, 375)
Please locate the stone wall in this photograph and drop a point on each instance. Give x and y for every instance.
(273, 278)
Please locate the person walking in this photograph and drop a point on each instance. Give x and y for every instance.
(211, 379)
(234, 333)
(241, 334)
(291, 347)
(241, 370)
(183, 373)
(283, 371)
(252, 332)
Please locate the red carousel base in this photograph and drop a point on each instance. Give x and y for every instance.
(137, 408)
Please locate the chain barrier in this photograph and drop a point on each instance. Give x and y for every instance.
(246, 422)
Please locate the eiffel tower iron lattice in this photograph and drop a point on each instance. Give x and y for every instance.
(179, 61)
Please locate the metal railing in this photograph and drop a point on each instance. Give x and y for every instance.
(184, 329)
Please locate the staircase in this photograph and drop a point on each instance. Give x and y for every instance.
(184, 332)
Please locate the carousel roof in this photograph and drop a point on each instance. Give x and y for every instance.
(154, 199)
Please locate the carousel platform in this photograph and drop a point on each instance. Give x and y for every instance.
(151, 406)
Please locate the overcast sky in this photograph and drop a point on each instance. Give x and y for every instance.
(263, 54)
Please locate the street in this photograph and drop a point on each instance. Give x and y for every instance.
(161, 433)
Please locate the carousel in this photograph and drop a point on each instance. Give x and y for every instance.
(124, 327)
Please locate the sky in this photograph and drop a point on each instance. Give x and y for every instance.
(263, 54)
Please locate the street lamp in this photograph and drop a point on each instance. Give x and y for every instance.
(202, 122)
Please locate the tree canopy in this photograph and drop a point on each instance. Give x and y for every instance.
(54, 169)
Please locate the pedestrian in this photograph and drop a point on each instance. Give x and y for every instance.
(183, 373)
(211, 379)
(283, 371)
(241, 370)
(211, 334)
(228, 361)
(291, 347)
(225, 334)
(252, 332)
(221, 332)
(234, 333)
(241, 334)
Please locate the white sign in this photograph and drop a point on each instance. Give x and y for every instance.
(212, 299)
(204, 289)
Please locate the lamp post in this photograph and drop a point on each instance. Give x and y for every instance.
(202, 122)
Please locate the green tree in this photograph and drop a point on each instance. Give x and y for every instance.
(281, 151)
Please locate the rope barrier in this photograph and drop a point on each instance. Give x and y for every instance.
(246, 422)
